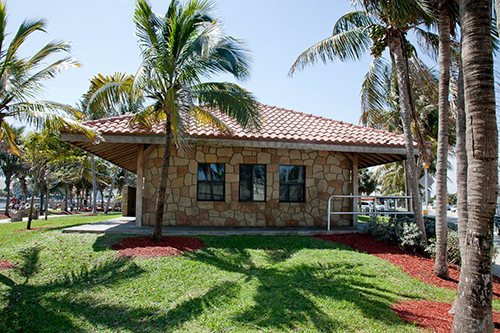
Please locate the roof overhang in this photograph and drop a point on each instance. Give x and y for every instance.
(122, 150)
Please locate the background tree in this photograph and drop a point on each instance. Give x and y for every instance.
(45, 153)
(473, 309)
(367, 183)
(102, 102)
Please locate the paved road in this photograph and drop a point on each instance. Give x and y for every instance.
(453, 218)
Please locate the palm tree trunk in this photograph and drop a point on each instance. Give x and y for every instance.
(30, 216)
(66, 197)
(461, 151)
(111, 190)
(165, 163)
(473, 309)
(24, 188)
(402, 75)
(42, 202)
(441, 262)
(94, 186)
(47, 202)
(7, 185)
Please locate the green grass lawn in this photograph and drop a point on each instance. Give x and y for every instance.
(75, 283)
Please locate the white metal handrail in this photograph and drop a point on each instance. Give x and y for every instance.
(372, 211)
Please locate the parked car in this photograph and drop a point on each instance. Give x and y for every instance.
(366, 206)
(453, 209)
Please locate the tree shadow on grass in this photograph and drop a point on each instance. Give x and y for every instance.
(67, 303)
(34, 307)
(287, 294)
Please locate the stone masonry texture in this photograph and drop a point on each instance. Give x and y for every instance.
(327, 173)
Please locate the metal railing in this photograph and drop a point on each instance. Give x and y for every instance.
(390, 206)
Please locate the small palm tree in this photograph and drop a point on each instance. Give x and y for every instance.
(179, 50)
(21, 81)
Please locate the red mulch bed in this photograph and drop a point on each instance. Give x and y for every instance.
(3, 217)
(427, 314)
(415, 265)
(5, 264)
(38, 228)
(144, 246)
(433, 316)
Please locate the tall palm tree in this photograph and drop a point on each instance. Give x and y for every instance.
(378, 26)
(446, 10)
(179, 51)
(21, 81)
(473, 309)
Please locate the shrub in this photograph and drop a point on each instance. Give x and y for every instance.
(453, 247)
(403, 232)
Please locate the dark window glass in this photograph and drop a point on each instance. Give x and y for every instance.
(211, 179)
(252, 182)
(292, 184)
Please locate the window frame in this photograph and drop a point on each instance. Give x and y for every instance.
(252, 182)
(211, 182)
(288, 184)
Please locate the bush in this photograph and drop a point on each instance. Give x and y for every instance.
(401, 231)
(453, 247)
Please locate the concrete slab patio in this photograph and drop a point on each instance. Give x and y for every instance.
(126, 226)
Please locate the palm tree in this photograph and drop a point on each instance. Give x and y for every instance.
(445, 12)
(98, 103)
(473, 309)
(179, 51)
(21, 80)
(379, 25)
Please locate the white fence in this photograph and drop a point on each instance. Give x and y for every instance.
(369, 205)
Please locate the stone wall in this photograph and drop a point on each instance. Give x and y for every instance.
(326, 173)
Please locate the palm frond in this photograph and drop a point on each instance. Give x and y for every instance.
(42, 114)
(352, 20)
(8, 136)
(347, 45)
(374, 87)
(204, 117)
(48, 50)
(147, 25)
(428, 42)
(107, 93)
(3, 25)
(25, 29)
(232, 100)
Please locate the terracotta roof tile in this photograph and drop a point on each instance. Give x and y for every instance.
(278, 124)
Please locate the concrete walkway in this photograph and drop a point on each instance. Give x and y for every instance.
(41, 218)
(126, 226)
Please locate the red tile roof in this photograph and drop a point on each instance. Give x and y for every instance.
(278, 124)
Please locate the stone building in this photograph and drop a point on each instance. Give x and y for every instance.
(281, 176)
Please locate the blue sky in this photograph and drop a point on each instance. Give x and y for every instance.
(102, 34)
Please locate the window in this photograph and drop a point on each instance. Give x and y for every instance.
(211, 179)
(292, 184)
(252, 182)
